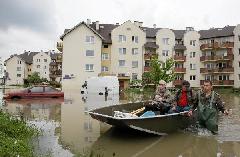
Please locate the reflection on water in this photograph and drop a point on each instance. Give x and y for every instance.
(68, 129)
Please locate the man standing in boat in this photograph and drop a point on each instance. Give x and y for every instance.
(184, 98)
(161, 93)
(208, 103)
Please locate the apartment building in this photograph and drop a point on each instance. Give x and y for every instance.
(55, 70)
(126, 50)
(19, 67)
(1, 70)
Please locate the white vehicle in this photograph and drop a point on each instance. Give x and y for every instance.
(101, 85)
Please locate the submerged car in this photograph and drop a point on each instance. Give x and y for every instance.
(35, 92)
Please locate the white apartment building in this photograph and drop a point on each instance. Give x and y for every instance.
(19, 67)
(129, 47)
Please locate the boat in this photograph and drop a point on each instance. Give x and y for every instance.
(160, 124)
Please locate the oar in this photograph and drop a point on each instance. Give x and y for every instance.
(138, 110)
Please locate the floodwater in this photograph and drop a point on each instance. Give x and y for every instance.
(69, 131)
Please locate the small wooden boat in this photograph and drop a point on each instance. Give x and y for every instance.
(157, 124)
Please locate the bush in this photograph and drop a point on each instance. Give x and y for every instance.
(15, 136)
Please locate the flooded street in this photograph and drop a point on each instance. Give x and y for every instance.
(68, 130)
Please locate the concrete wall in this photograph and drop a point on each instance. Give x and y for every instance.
(11, 68)
(236, 52)
(188, 36)
(43, 70)
(128, 29)
(74, 57)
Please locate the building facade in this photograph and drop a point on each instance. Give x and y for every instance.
(125, 51)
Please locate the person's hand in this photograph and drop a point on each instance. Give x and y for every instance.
(226, 112)
(190, 113)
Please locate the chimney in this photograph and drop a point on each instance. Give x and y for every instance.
(154, 26)
(88, 21)
(97, 25)
(189, 29)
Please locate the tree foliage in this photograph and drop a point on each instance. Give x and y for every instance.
(159, 71)
(34, 79)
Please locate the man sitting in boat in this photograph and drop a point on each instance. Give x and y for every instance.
(208, 103)
(162, 99)
(184, 99)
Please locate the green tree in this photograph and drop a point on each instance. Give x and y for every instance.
(158, 72)
(34, 79)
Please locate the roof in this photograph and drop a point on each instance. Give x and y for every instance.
(151, 45)
(67, 31)
(179, 34)
(180, 47)
(105, 31)
(217, 32)
(150, 32)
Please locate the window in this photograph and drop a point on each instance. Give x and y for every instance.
(29, 70)
(45, 73)
(36, 89)
(38, 60)
(135, 39)
(209, 77)
(165, 52)
(38, 66)
(105, 56)
(89, 67)
(239, 51)
(122, 38)
(18, 75)
(122, 51)
(238, 64)
(192, 54)
(179, 77)
(89, 53)
(45, 67)
(193, 42)
(239, 38)
(134, 64)
(192, 66)
(18, 68)
(19, 62)
(223, 77)
(50, 89)
(45, 60)
(209, 65)
(105, 46)
(192, 77)
(122, 63)
(165, 41)
(90, 39)
(134, 51)
(104, 69)
(239, 76)
(134, 76)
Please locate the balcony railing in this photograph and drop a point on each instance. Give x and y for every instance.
(220, 82)
(177, 82)
(217, 70)
(179, 47)
(180, 70)
(180, 58)
(150, 55)
(217, 45)
(60, 46)
(216, 58)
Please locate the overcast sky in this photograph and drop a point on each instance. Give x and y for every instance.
(36, 25)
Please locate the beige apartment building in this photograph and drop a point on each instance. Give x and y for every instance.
(94, 49)
(19, 67)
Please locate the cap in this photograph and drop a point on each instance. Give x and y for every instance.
(162, 82)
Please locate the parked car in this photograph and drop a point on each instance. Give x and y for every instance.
(41, 91)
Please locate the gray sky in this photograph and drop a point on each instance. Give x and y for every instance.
(36, 25)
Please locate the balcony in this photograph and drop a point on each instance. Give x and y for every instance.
(122, 76)
(179, 47)
(177, 82)
(60, 46)
(217, 70)
(146, 68)
(220, 82)
(180, 70)
(148, 56)
(217, 45)
(216, 58)
(180, 58)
